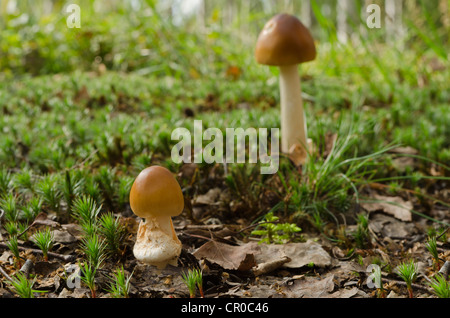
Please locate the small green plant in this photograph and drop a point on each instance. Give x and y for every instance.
(13, 246)
(190, 281)
(200, 283)
(35, 205)
(44, 240)
(12, 228)
(5, 180)
(361, 235)
(274, 232)
(408, 272)
(394, 187)
(113, 232)
(71, 188)
(440, 286)
(24, 180)
(89, 229)
(94, 249)
(92, 190)
(49, 191)
(243, 181)
(120, 284)
(431, 246)
(193, 280)
(85, 210)
(32, 208)
(106, 179)
(22, 286)
(123, 191)
(439, 233)
(9, 206)
(23, 230)
(442, 236)
(88, 272)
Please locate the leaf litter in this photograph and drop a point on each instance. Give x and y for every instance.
(235, 265)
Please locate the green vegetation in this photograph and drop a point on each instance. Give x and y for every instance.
(44, 240)
(22, 286)
(86, 212)
(13, 246)
(431, 246)
(93, 247)
(274, 232)
(408, 272)
(113, 232)
(193, 280)
(83, 111)
(441, 286)
(120, 284)
(362, 232)
(88, 277)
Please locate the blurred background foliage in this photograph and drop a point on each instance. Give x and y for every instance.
(193, 38)
(104, 98)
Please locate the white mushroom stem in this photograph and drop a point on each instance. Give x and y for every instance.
(293, 122)
(157, 243)
(166, 225)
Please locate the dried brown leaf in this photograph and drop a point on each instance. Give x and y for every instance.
(300, 254)
(394, 206)
(311, 287)
(230, 257)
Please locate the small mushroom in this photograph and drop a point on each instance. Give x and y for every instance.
(285, 42)
(156, 197)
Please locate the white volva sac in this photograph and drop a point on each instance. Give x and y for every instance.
(235, 142)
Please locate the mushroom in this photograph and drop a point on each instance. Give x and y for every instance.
(285, 42)
(156, 197)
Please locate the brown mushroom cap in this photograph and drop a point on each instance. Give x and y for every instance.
(156, 192)
(284, 41)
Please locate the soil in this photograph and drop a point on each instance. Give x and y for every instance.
(236, 265)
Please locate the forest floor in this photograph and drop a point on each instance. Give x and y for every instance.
(67, 136)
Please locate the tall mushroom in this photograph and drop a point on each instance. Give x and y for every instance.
(156, 197)
(285, 42)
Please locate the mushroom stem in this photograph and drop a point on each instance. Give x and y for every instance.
(293, 123)
(166, 225)
(157, 243)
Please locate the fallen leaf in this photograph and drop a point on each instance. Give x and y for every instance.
(301, 254)
(4, 258)
(76, 293)
(388, 226)
(394, 206)
(75, 230)
(311, 287)
(209, 198)
(47, 283)
(230, 257)
(256, 291)
(402, 162)
(393, 294)
(349, 293)
(42, 219)
(46, 268)
(267, 267)
(63, 237)
(404, 150)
